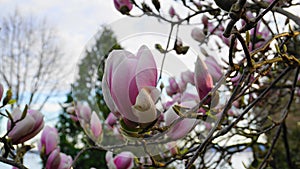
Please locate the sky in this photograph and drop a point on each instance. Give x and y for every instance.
(76, 21)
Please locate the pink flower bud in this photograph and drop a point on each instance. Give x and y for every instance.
(111, 120)
(83, 112)
(49, 140)
(1, 91)
(124, 6)
(129, 83)
(173, 87)
(204, 20)
(96, 127)
(198, 35)
(203, 80)
(123, 160)
(57, 160)
(53, 160)
(27, 128)
(65, 161)
(172, 12)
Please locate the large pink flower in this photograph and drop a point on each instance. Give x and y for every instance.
(27, 128)
(129, 84)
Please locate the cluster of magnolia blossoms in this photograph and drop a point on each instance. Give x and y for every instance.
(88, 120)
(129, 88)
(49, 150)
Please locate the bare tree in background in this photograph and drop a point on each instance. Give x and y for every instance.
(30, 59)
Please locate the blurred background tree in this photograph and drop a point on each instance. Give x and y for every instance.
(31, 59)
(87, 88)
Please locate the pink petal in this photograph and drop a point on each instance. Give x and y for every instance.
(214, 68)
(122, 92)
(146, 71)
(96, 126)
(65, 162)
(180, 129)
(53, 160)
(198, 35)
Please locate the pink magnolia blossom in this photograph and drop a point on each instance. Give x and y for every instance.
(179, 129)
(1, 91)
(83, 112)
(124, 6)
(204, 20)
(57, 160)
(203, 80)
(172, 12)
(129, 85)
(198, 35)
(89, 121)
(124, 160)
(53, 159)
(49, 140)
(96, 127)
(27, 128)
(187, 77)
(111, 120)
(65, 161)
(175, 87)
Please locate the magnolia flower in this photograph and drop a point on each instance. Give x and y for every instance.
(180, 128)
(1, 91)
(172, 12)
(198, 35)
(111, 120)
(214, 69)
(96, 127)
(123, 160)
(83, 112)
(49, 140)
(27, 128)
(129, 85)
(57, 160)
(203, 80)
(124, 6)
(204, 20)
(53, 159)
(173, 88)
(89, 121)
(187, 77)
